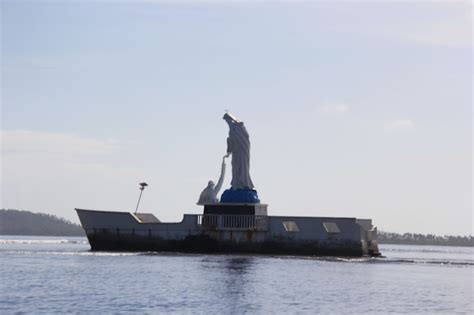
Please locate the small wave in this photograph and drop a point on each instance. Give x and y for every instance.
(37, 241)
(67, 253)
(410, 261)
(428, 250)
(383, 260)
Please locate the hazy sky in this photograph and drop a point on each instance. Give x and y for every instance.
(354, 108)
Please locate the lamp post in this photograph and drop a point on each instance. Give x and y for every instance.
(142, 187)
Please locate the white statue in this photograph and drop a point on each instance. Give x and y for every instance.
(238, 144)
(209, 194)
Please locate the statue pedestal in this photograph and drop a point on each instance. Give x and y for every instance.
(236, 209)
(245, 195)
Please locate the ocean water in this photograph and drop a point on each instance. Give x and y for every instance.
(60, 275)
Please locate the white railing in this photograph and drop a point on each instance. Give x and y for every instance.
(220, 222)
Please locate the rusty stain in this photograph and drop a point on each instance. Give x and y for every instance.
(249, 235)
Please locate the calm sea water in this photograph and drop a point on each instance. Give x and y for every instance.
(61, 275)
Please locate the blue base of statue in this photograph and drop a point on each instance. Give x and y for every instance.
(240, 196)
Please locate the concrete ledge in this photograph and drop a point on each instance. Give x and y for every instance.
(236, 209)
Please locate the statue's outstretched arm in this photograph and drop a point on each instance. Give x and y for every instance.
(221, 178)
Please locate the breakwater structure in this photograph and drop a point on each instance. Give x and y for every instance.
(236, 223)
(224, 229)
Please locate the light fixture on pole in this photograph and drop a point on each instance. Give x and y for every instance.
(142, 187)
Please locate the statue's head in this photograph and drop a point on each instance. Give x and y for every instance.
(211, 184)
(230, 119)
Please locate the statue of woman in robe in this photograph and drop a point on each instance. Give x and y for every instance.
(238, 144)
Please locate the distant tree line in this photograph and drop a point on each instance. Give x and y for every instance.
(18, 222)
(424, 239)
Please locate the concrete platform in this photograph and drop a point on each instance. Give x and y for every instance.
(231, 233)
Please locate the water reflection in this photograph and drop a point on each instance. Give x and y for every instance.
(238, 288)
(232, 280)
(238, 264)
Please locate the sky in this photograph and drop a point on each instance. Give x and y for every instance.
(354, 109)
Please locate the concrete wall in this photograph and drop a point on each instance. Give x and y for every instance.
(281, 234)
(307, 228)
(312, 228)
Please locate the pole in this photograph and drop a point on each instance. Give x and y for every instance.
(140, 197)
(142, 187)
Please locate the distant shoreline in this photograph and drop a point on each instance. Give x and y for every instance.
(380, 243)
(424, 244)
(26, 223)
(424, 239)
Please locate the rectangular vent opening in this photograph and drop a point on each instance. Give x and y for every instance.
(331, 227)
(291, 226)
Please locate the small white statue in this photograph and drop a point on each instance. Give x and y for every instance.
(209, 194)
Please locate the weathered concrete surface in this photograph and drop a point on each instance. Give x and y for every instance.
(203, 243)
(122, 231)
